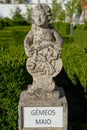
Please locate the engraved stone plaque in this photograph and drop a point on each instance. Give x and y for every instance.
(48, 112)
(42, 117)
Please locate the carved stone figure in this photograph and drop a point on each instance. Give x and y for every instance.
(43, 46)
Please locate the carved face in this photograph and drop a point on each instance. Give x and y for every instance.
(39, 17)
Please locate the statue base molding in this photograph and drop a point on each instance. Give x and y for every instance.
(54, 105)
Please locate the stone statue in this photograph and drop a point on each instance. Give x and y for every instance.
(43, 46)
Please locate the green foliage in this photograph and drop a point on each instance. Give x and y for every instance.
(18, 35)
(62, 28)
(79, 6)
(68, 39)
(20, 22)
(13, 35)
(73, 6)
(56, 10)
(1, 24)
(16, 15)
(81, 27)
(7, 21)
(62, 16)
(75, 63)
(80, 36)
(28, 14)
(13, 78)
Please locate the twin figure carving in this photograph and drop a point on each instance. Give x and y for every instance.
(43, 46)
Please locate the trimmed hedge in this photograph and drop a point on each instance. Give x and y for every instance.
(75, 64)
(9, 22)
(14, 77)
(19, 33)
(81, 27)
(62, 28)
(19, 22)
(13, 35)
(80, 36)
(1, 24)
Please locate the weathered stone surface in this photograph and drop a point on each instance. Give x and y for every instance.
(43, 46)
(40, 98)
(42, 129)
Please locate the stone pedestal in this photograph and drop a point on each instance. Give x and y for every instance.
(43, 99)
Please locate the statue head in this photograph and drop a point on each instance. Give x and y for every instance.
(41, 14)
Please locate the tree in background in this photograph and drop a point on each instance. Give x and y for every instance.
(16, 15)
(62, 16)
(73, 11)
(79, 6)
(28, 14)
(73, 7)
(56, 10)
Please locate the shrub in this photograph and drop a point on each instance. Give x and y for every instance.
(1, 24)
(7, 22)
(68, 39)
(62, 28)
(19, 33)
(75, 64)
(82, 27)
(19, 22)
(80, 36)
(14, 77)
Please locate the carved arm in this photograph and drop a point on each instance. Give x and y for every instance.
(27, 41)
(59, 41)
